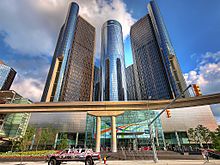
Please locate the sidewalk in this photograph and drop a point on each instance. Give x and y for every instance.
(134, 162)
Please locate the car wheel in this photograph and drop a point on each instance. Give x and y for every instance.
(89, 161)
(52, 162)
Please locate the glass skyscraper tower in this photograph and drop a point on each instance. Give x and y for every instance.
(70, 77)
(173, 71)
(156, 68)
(128, 129)
(150, 72)
(7, 75)
(113, 83)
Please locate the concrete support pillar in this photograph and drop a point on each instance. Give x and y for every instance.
(55, 142)
(157, 139)
(114, 135)
(77, 138)
(135, 147)
(164, 142)
(98, 133)
(177, 139)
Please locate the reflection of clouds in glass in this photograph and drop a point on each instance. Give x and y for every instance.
(70, 122)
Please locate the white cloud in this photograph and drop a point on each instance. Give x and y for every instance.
(28, 87)
(103, 11)
(32, 26)
(207, 76)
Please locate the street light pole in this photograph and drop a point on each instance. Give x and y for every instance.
(150, 124)
(153, 145)
(151, 136)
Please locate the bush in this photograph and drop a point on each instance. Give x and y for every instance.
(29, 153)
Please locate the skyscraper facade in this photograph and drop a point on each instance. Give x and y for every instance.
(15, 124)
(71, 72)
(150, 71)
(113, 83)
(7, 75)
(158, 75)
(173, 71)
(131, 83)
(70, 77)
(155, 64)
(130, 126)
(96, 84)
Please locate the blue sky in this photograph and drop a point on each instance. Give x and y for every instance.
(29, 30)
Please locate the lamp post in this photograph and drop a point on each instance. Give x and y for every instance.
(151, 136)
(150, 124)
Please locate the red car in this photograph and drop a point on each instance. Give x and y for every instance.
(85, 155)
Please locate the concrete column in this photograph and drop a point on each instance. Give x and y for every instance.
(135, 148)
(177, 138)
(98, 133)
(164, 142)
(156, 135)
(77, 137)
(114, 135)
(55, 142)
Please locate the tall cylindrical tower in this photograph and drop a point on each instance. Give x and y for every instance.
(113, 83)
(66, 45)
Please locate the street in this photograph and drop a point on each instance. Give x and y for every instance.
(134, 162)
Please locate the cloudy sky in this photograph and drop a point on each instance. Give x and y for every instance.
(29, 30)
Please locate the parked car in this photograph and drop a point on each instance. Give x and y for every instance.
(85, 155)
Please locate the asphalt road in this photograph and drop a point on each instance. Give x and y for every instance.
(135, 162)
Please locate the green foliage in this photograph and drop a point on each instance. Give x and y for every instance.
(216, 138)
(192, 135)
(45, 136)
(29, 153)
(203, 133)
(63, 142)
(25, 142)
(200, 135)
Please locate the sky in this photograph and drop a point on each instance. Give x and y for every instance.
(29, 31)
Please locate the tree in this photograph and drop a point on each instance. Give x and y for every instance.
(15, 143)
(26, 140)
(199, 135)
(204, 134)
(63, 142)
(52, 135)
(216, 138)
(44, 137)
(192, 135)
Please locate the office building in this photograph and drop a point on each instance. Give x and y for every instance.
(71, 72)
(130, 128)
(96, 84)
(7, 75)
(113, 82)
(131, 83)
(173, 70)
(12, 125)
(149, 68)
(70, 77)
(152, 47)
(159, 76)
